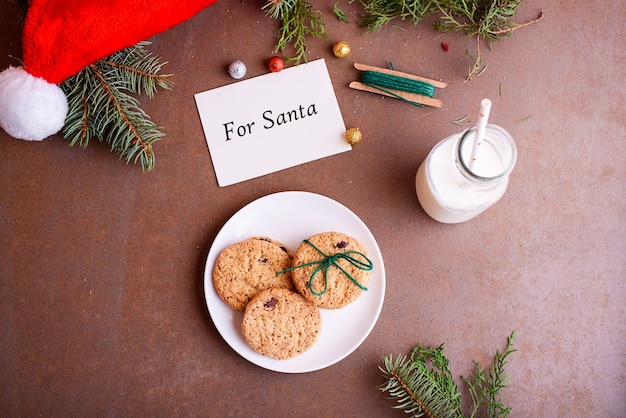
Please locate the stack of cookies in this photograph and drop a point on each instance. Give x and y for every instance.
(281, 295)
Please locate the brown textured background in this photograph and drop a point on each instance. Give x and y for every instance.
(101, 303)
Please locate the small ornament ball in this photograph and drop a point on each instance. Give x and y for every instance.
(276, 64)
(341, 49)
(237, 69)
(353, 136)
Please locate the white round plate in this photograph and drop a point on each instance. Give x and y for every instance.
(290, 218)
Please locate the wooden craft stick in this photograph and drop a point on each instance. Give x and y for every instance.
(412, 97)
(365, 67)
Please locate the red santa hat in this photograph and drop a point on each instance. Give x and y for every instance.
(60, 38)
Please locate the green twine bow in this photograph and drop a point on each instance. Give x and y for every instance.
(329, 261)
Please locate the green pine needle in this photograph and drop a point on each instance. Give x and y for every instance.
(340, 14)
(422, 384)
(483, 19)
(380, 12)
(102, 104)
(298, 22)
(421, 390)
(277, 9)
(485, 385)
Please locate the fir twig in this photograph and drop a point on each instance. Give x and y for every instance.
(482, 19)
(380, 12)
(417, 390)
(341, 15)
(422, 384)
(140, 69)
(477, 68)
(485, 385)
(277, 9)
(490, 20)
(515, 26)
(298, 22)
(102, 105)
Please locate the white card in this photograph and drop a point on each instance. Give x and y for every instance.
(271, 122)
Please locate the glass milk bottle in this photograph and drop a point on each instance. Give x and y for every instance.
(450, 189)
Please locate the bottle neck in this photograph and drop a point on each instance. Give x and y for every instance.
(495, 160)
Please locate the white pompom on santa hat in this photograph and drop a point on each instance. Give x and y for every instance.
(30, 107)
(60, 38)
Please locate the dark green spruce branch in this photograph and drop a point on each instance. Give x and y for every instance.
(422, 384)
(102, 104)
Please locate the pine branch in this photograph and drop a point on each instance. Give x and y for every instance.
(277, 9)
(485, 385)
(340, 14)
(380, 12)
(439, 372)
(298, 22)
(101, 104)
(489, 19)
(140, 69)
(477, 68)
(483, 19)
(418, 389)
(422, 384)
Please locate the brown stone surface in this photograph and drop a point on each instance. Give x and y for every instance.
(102, 310)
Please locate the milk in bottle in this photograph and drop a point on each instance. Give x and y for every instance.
(449, 191)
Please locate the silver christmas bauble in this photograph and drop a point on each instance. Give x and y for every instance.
(237, 69)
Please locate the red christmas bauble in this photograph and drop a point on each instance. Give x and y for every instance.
(276, 64)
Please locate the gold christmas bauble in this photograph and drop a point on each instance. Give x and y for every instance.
(341, 49)
(353, 136)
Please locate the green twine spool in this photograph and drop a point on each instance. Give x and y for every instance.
(384, 82)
